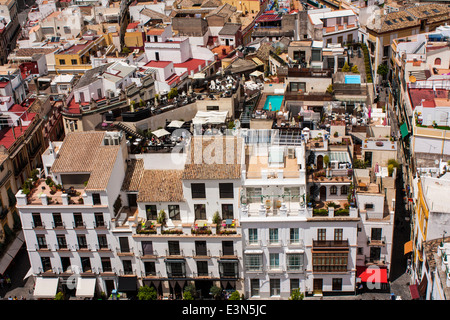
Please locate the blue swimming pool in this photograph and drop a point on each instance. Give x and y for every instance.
(276, 102)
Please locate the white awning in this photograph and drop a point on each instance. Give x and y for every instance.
(161, 132)
(85, 287)
(257, 73)
(213, 117)
(199, 75)
(45, 288)
(253, 251)
(176, 124)
(11, 253)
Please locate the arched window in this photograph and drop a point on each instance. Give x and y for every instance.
(437, 61)
(333, 190)
(344, 189)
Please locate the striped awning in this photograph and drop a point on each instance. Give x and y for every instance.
(340, 156)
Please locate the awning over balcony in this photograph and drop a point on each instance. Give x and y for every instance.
(414, 292)
(45, 288)
(408, 247)
(11, 253)
(86, 287)
(127, 284)
(404, 130)
(372, 274)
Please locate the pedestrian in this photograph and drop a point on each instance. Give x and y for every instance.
(2, 282)
(8, 281)
(9, 298)
(15, 298)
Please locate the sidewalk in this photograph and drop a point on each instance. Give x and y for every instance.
(399, 288)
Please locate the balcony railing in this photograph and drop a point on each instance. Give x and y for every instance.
(330, 244)
(309, 73)
(207, 253)
(179, 253)
(377, 241)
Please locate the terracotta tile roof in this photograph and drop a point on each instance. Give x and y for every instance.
(161, 186)
(83, 152)
(76, 153)
(205, 164)
(133, 175)
(28, 52)
(102, 166)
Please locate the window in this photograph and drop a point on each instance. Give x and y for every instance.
(437, 61)
(86, 264)
(57, 220)
(127, 267)
(227, 211)
(174, 212)
(321, 234)
(386, 51)
(176, 269)
(337, 284)
(74, 62)
(200, 211)
(46, 264)
(274, 287)
(316, 55)
(124, 245)
(325, 23)
(78, 219)
(294, 284)
(82, 243)
(151, 212)
(62, 62)
(226, 190)
(368, 206)
(345, 20)
(294, 261)
(61, 239)
(340, 39)
(37, 221)
(99, 221)
(200, 248)
(376, 233)
(212, 108)
(338, 20)
(333, 190)
(254, 287)
(42, 243)
(174, 248)
(274, 259)
(253, 262)
(294, 235)
(147, 248)
(338, 234)
(202, 268)
(252, 236)
(106, 264)
(297, 86)
(102, 241)
(228, 269)
(96, 199)
(344, 190)
(198, 190)
(150, 268)
(359, 251)
(330, 261)
(273, 236)
(227, 248)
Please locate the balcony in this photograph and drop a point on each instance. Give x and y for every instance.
(376, 242)
(153, 254)
(43, 194)
(330, 244)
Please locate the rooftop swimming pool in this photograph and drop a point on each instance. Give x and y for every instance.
(275, 101)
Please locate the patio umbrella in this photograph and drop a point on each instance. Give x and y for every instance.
(160, 133)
